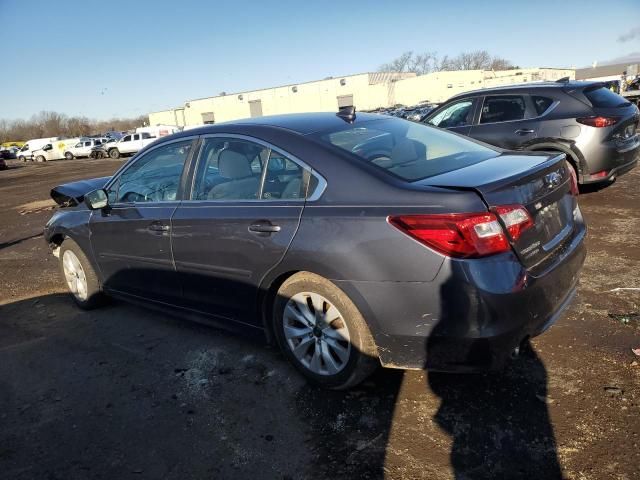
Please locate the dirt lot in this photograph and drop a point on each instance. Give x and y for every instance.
(127, 393)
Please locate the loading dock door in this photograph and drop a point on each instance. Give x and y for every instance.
(345, 101)
(208, 118)
(255, 108)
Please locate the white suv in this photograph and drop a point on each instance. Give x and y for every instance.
(83, 148)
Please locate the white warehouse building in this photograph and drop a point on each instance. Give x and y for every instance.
(365, 91)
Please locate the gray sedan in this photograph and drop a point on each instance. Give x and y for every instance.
(350, 240)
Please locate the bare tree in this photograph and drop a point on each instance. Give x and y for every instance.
(400, 64)
(428, 62)
(54, 124)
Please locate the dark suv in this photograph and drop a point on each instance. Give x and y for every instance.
(595, 127)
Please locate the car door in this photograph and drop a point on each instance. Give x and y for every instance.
(124, 146)
(244, 209)
(85, 149)
(456, 116)
(131, 237)
(136, 143)
(507, 121)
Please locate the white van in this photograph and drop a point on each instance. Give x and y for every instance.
(26, 152)
(54, 150)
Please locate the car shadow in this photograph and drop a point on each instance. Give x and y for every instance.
(595, 187)
(20, 240)
(498, 422)
(125, 392)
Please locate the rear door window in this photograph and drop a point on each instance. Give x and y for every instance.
(230, 169)
(541, 104)
(503, 108)
(604, 98)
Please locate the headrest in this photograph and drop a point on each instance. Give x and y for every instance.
(233, 165)
(403, 152)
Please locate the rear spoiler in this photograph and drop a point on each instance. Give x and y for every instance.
(72, 194)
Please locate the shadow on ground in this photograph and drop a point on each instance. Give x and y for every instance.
(123, 392)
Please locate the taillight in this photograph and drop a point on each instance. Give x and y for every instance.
(516, 218)
(465, 235)
(574, 180)
(598, 122)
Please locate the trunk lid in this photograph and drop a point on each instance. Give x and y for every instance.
(72, 194)
(540, 183)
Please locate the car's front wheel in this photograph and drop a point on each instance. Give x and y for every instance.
(114, 153)
(79, 275)
(68, 155)
(322, 332)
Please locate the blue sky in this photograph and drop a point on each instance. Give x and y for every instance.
(130, 58)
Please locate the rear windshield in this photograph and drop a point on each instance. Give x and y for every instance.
(605, 98)
(411, 151)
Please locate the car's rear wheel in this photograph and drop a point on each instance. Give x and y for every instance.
(68, 156)
(41, 159)
(114, 153)
(79, 275)
(22, 159)
(322, 332)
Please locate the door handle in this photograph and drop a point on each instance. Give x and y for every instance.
(264, 227)
(525, 131)
(158, 227)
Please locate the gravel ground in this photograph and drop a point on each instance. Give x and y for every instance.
(123, 392)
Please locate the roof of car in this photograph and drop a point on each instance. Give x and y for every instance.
(523, 88)
(301, 123)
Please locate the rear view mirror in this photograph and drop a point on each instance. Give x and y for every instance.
(96, 200)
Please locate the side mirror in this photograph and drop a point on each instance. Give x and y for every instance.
(96, 200)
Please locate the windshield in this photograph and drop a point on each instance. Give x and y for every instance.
(408, 150)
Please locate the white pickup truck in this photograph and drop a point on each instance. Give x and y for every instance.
(129, 144)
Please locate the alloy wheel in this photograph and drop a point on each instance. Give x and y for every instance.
(74, 275)
(316, 333)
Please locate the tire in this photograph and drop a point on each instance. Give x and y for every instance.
(76, 267)
(22, 159)
(40, 159)
(68, 155)
(100, 155)
(114, 153)
(338, 355)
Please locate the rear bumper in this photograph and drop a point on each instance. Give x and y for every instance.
(472, 316)
(613, 158)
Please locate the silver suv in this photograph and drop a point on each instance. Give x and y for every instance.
(593, 126)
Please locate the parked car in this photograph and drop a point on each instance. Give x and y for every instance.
(593, 126)
(33, 147)
(9, 153)
(417, 114)
(102, 150)
(130, 144)
(351, 240)
(83, 148)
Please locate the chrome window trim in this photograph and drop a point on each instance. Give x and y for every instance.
(544, 114)
(322, 183)
(135, 159)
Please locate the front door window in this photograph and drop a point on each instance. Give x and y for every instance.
(154, 177)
